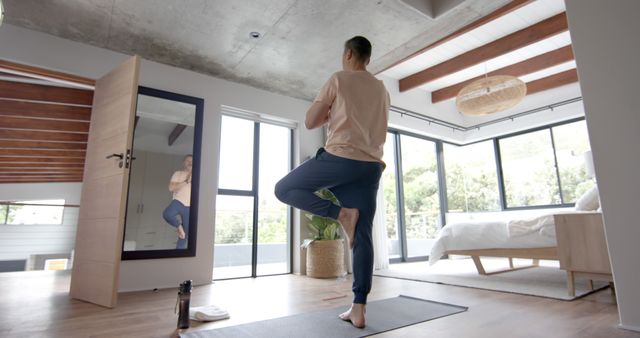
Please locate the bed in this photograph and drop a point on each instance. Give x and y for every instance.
(532, 238)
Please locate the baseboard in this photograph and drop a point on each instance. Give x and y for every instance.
(629, 327)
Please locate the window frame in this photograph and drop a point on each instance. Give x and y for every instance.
(254, 192)
(441, 171)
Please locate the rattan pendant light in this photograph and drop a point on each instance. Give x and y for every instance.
(490, 94)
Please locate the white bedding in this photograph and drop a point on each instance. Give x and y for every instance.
(537, 232)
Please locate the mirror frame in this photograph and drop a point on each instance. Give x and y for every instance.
(195, 188)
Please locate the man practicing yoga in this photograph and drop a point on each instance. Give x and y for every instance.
(354, 106)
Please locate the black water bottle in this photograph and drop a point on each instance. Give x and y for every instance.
(184, 296)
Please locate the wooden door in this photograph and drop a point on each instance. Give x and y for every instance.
(96, 264)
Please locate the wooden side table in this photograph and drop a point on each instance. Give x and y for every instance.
(582, 248)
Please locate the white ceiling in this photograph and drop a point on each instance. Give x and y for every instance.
(521, 18)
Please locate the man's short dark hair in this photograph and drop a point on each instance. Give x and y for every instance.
(360, 47)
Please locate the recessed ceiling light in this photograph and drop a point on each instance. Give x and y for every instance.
(254, 35)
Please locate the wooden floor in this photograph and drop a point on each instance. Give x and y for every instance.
(36, 304)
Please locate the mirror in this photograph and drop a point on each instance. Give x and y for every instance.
(161, 218)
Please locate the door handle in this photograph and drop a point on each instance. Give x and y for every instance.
(120, 156)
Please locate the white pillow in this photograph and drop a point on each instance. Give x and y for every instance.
(589, 201)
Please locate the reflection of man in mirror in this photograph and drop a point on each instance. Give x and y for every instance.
(180, 186)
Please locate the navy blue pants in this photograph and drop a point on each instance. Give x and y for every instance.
(170, 215)
(355, 184)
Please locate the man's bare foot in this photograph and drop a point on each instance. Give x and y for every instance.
(348, 217)
(355, 315)
(181, 233)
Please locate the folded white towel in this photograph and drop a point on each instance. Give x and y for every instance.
(207, 313)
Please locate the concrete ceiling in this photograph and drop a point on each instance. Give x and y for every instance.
(300, 43)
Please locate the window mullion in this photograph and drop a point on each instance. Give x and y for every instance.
(555, 163)
(256, 202)
(402, 231)
(501, 189)
(442, 183)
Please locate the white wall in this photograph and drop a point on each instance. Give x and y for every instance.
(606, 46)
(43, 50)
(20, 241)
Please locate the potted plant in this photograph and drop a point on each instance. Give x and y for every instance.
(325, 251)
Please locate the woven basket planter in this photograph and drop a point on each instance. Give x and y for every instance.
(325, 259)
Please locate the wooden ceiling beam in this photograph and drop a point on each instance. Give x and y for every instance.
(10, 122)
(42, 153)
(45, 160)
(37, 92)
(532, 65)
(23, 144)
(175, 133)
(522, 38)
(500, 12)
(553, 81)
(45, 110)
(45, 73)
(40, 135)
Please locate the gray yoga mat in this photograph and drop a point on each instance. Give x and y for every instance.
(382, 315)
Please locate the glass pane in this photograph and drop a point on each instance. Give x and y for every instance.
(32, 213)
(472, 182)
(233, 237)
(571, 141)
(3, 213)
(236, 153)
(528, 170)
(391, 197)
(273, 215)
(421, 197)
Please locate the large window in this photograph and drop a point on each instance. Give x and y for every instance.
(472, 182)
(528, 168)
(538, 168)
(421, 194)
(32, 212)
(545, 167)
(252, 234)
(572, 141)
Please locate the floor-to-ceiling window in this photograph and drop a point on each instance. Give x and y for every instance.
(252, 233)
(389, 185)
(421, 194)
(412, 195)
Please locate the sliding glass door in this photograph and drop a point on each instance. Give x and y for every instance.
(252, 230)
(412, 196)
(390, 188)
(421, 194)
